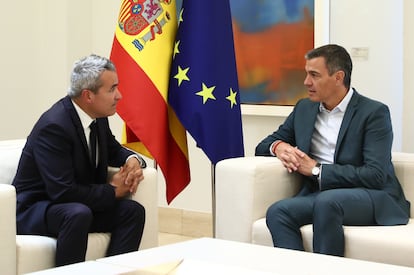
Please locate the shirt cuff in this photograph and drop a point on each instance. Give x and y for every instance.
(142, 162)
(319, 177)
(272, 145)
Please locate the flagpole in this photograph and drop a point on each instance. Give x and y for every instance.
(213, 197)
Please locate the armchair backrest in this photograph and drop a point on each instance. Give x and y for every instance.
(404, 169)
(10, 151)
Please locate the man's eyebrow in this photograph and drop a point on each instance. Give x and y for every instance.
(114, 86)
(314, 72)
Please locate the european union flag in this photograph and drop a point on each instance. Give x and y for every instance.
(203, 89)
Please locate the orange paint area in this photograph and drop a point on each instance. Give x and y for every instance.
(274, 59)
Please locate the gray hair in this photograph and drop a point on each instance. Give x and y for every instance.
(336, 59)
(86, 74)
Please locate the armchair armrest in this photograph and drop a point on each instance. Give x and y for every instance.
(8, 229)
(147, 195)
(245, 187)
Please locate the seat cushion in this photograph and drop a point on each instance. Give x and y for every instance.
(97, 245)
(38, 252)
(261, 234)
(385, 244)
(34, 253)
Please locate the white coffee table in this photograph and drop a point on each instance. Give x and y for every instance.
(88, 267)
(215, 256)
(252, 257)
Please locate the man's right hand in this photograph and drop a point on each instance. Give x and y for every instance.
(294, 160)
(118, 181)
(289, 156)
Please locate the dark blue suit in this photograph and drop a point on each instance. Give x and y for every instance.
(55, 169)
(361, 180)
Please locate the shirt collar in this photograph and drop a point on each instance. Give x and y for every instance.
(342, 105)
(84, 117)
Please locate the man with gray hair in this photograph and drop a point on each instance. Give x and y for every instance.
(61, 180)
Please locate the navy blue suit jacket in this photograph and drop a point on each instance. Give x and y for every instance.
(362, 156)
(55, 167)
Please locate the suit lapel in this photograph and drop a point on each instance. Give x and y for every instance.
(349, 114)
(100, 140)
(76, 122)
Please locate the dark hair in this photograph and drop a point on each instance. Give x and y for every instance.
(336, 59)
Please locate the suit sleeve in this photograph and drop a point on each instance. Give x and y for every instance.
(117, 154)
(285, 133)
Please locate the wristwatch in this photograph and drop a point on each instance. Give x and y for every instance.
(316, 170)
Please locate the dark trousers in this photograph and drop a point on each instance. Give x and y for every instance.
(328, 211)
(70, 223)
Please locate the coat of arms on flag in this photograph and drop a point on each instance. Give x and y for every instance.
(136, 15)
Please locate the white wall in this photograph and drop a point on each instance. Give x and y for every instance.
(41, 39)
(376, 25)
(408, 67)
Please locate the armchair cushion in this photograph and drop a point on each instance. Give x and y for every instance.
(246, 187)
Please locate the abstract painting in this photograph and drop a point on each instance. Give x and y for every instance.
(271, 38)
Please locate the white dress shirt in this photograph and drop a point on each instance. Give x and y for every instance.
(325, 134)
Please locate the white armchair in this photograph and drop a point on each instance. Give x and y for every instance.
(27, 253)
(246, 187)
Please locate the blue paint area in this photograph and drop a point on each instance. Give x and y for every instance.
(257, 15)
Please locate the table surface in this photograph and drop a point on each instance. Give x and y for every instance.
(85, 268)
(257, 257)
(209, 253)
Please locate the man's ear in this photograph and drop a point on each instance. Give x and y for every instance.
(339, 77)
(87, 95)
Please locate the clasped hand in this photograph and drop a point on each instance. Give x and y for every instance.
(294, 160)
(127, 179)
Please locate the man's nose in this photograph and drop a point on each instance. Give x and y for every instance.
(307, 82)
(118, 94)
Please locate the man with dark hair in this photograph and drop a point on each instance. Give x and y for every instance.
(340, 142)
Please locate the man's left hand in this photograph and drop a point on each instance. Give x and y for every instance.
(134, 174)
(306, 163)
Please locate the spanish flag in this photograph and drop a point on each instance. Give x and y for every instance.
(142, 53)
